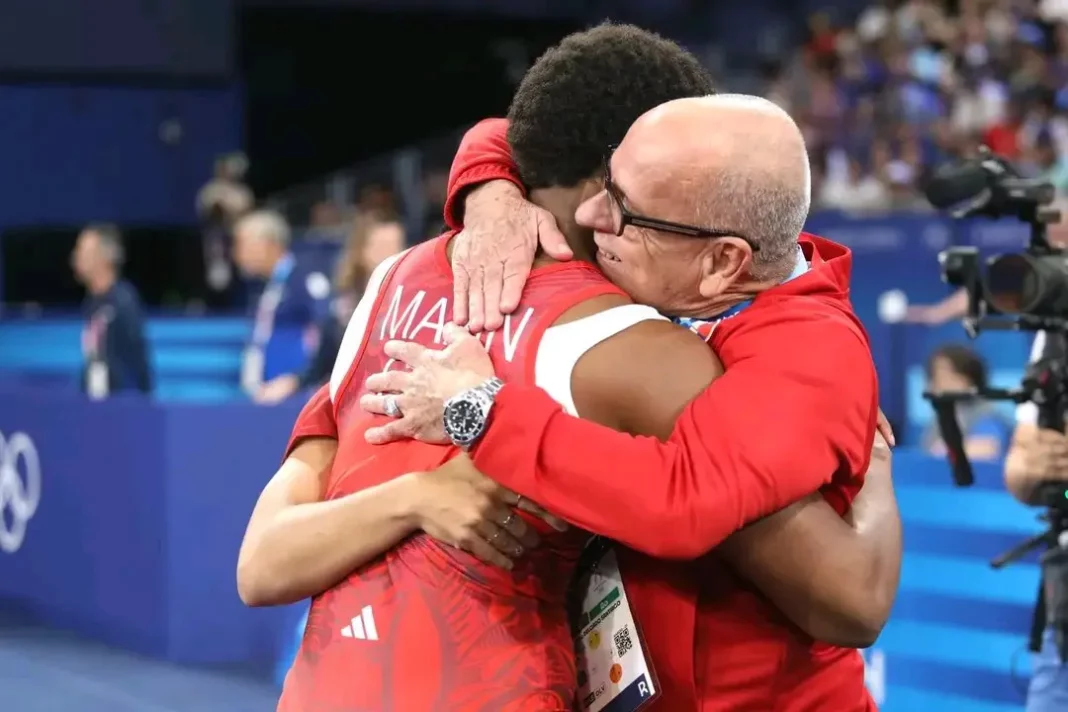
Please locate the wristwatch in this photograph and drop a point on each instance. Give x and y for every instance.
(467, 414)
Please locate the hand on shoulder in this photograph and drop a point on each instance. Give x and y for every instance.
(493, 255)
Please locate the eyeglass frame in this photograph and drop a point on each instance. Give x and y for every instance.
(627, 217)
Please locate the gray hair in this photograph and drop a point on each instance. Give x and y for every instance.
(266, 224)
(109, 239)
(763, 192)
(763, 208)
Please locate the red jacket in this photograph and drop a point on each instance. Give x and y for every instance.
(794, 413)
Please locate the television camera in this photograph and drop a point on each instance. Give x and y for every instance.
(1025, 291)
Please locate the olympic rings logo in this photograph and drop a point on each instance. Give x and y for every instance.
(20, 489)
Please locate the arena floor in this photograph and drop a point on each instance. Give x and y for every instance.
(47, 671)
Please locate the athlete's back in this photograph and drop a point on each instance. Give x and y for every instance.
(427, 626)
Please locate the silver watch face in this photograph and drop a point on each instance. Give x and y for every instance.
(464, 421)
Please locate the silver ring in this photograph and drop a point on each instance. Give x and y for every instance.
(392, 409)
(508, 520)
(519, 501)
(494, 537)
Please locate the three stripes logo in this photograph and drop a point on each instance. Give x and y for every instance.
(362, 627)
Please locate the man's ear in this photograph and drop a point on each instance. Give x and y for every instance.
(723, 264)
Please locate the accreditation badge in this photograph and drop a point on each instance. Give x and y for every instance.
(614, 672)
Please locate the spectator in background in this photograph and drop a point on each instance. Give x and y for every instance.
(293, 298)
(220, 203)
(1039, 455)
(113, 341)
(952, 74)
(435, 191)
(327, 220)
(853, 190)
(375, 198)
(374, 238)
(1049, 166)
(986, 433)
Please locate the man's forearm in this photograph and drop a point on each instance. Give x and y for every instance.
(677, 499)
(483, 155)
(307, 548)
(1021, 483)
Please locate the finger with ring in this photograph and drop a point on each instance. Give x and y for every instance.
(380, 404)
(392, 409)
(520, 530)
(389, 381)
(500, 539)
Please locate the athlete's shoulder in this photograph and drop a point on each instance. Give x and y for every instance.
(573, 285)
(316, 420)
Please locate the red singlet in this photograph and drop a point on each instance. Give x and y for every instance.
(426, 626)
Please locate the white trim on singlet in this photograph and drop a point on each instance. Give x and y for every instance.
(357, 328)
(562, 346)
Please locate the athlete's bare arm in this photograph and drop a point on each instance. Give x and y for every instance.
(839, 593)
(298, 545)
(833, 579)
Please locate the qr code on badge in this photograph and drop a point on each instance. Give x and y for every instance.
(622, 640)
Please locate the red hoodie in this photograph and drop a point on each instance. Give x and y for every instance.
(794, 413)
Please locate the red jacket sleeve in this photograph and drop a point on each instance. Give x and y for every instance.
(767, 433)
(483, 155)
(316, 420)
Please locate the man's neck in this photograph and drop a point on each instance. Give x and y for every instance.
(722, 303)
(741, 293)
(562, 203)
(101, 283)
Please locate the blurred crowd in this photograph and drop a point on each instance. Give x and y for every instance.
(911, 83)
(882, 98)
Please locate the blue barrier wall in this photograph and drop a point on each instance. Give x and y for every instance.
(78, 154)
(143, 506)
(958, 634)
(194, 360)
(142, 509)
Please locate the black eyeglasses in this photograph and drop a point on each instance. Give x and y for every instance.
(622, 216)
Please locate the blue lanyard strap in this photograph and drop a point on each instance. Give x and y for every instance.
(703, 327)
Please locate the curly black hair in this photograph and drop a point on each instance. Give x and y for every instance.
(582, 95)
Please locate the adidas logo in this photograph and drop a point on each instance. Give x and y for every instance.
(362, 627)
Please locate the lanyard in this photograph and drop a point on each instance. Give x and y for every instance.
(704, 327)
(269, 301)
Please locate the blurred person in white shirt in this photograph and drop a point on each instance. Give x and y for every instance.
(1053, 10)
(220, 203)
(853, 190)
(978, 104)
